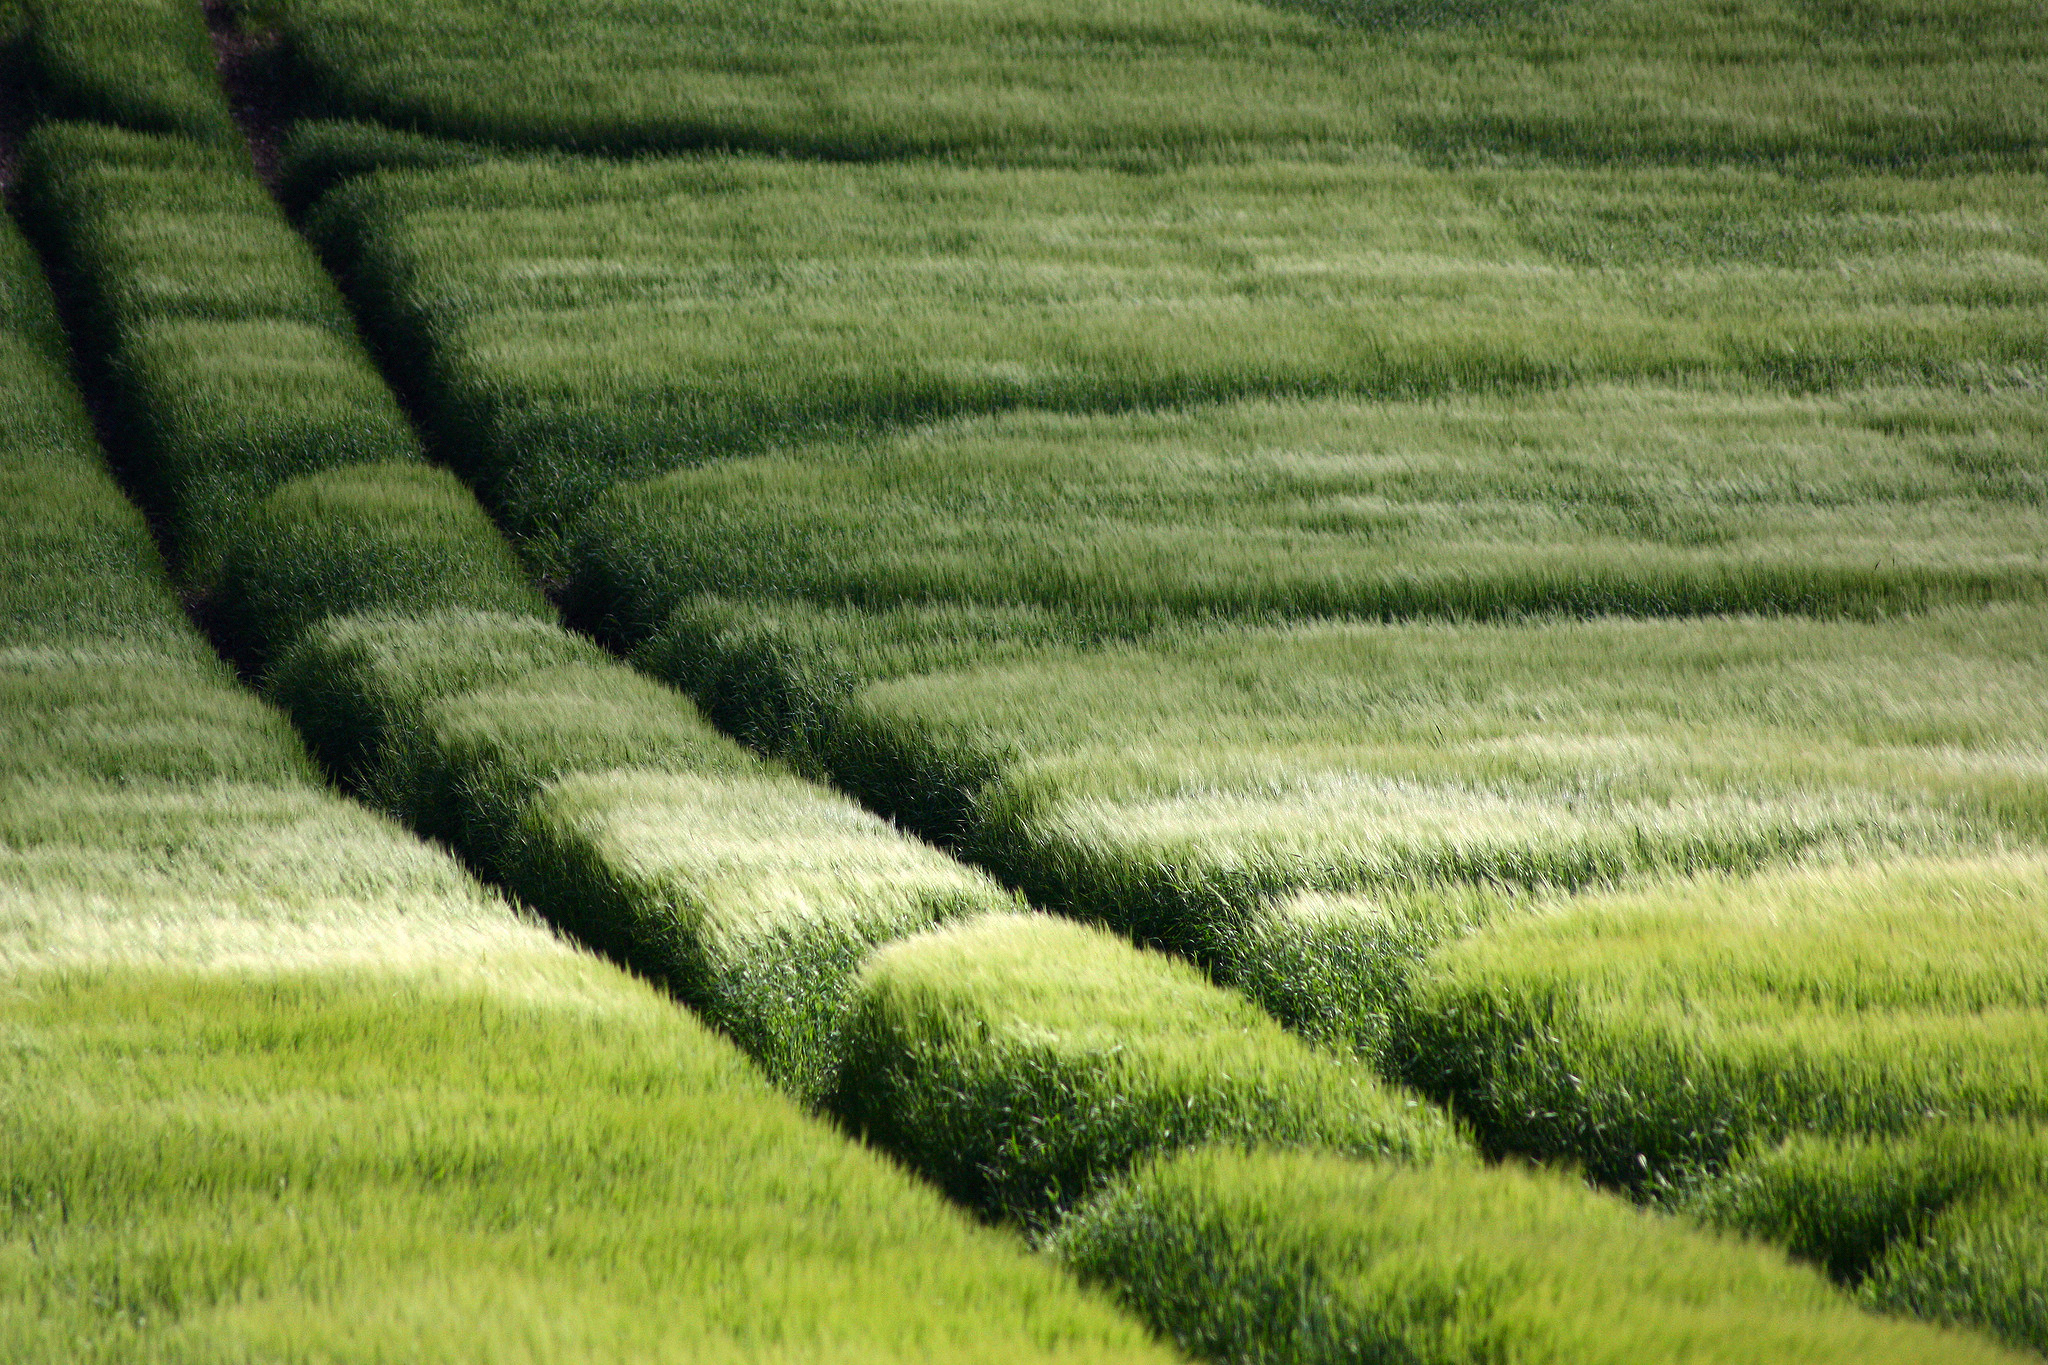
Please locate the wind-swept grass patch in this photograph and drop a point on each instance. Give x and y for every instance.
(573, 325)
(1312, 1258)
(1642, 501)
(1952, 83)
(227, 355)
(1173, 784)
(146, 65)
(1021, 1061)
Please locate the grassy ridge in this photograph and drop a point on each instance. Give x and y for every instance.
(1309, 1258)
(1652, 1033)
(226, 351)
(1888, 83)
(140, 64)
(285, 1081)
(1174, 784)
(572, 325)
(1021, 1061)
(1634, 500)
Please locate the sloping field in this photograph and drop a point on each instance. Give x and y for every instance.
(1884, 82)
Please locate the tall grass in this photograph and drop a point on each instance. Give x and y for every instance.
(573, 325)
(1658, 1033)
(1644, 501)
(607, 802)
(1951, 83)
(1276, 1256)
(1173, 784)
(228, 357)
(140, 64)
(1022, 1061)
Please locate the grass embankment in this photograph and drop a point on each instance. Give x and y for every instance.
(1632, 500)
(285, 1082)
(141, 64)
(569, 326)
(1174, 784)
(1953, 83)
(230, 360)
(1648, 1033)
(1311, 1259)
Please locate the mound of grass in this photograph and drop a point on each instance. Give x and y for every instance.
(1020, 1061)
(1311, 1258)
(1657, 1033)
(361, 538)
(227, 354)
(140, 64)
(574, 325)
(62, 520)
(1890, 84)
(1172, 784)
(1639, 501)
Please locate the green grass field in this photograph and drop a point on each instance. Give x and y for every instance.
(1292, 649)
(1884, 82)
(572, 325)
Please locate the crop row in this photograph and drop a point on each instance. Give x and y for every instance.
(1059, 81)
(285, 1081)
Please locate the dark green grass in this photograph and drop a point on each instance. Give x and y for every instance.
(228, 358)
(140, 64)
(1295, 1257)
(1656, 1034)
(318, 154)
(1175, 784)
(1021, 1061)
(569, 326)
(1889, 82)
(1631, 500)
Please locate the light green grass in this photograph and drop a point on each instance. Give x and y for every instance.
(1171, 785)
(1632, 500)
(225, 353)
(1305, 1258)
(1890, 83)
(1658, 1032)
(140, 64)
(570, 326)
(1021, 1061)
